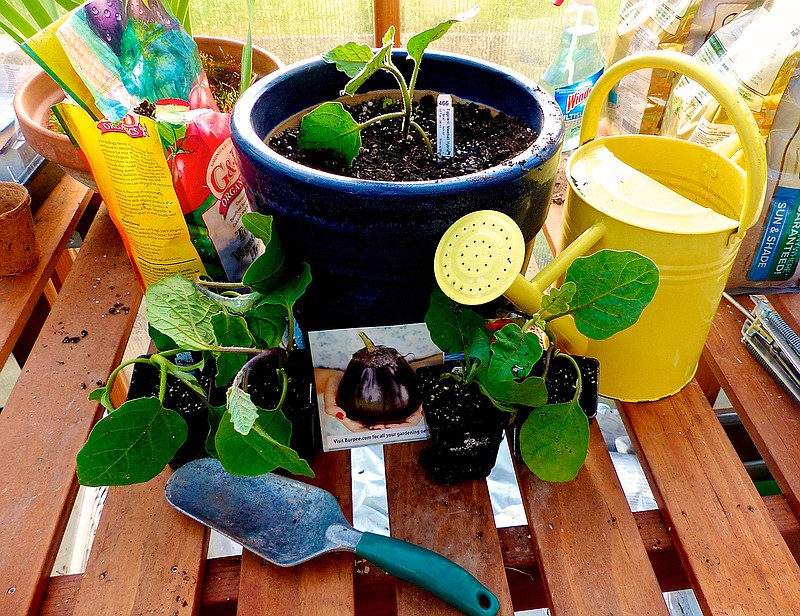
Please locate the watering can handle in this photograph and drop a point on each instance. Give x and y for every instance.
(755, 157)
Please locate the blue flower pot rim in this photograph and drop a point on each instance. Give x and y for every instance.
(547, 143)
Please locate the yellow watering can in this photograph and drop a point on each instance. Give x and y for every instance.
(684, 206)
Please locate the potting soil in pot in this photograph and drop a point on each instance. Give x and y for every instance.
(483, 139)
(465, 427)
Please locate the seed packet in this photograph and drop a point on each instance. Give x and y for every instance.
(366, 384)
(757, 53)
(711, 16)
(172, 187)
(129, 51)
(770, 253)
(160, 152)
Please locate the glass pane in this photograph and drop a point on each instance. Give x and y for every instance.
(520, 34)
(291, 30)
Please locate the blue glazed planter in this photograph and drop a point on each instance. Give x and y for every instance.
(370, 244)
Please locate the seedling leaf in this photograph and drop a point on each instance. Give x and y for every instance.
(558, 300)
(330, 127)
(242, 409)
(262, 450)
(376, 63)
(452, 326)
(554, 441)
(530, 392)
(419, 42)
(612, 289)
(231, 331)
(177, 310)
(267, 323)
(270, 269)
(514, 353)
(288, 293)
(131, 445)
(349, 58)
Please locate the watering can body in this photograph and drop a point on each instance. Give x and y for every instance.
(684, 206)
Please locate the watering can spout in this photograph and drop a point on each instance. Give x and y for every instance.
(480, 257)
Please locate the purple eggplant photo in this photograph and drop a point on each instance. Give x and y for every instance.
(378, 385)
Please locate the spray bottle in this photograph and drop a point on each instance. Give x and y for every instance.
(576, 67)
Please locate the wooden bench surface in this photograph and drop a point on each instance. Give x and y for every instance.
(583, 551)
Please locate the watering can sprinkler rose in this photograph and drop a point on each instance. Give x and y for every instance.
(684, 206)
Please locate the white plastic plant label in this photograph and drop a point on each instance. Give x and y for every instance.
(444, 126)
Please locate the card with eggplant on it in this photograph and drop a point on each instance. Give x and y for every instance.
(366, 386)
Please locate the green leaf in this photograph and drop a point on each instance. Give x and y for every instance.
(215, 415)
(419, 42)
(178, 310)
(103, 396)
(349, 58)
(287, 294)
(554, 441)
(330, 127)
(160, 341)
(131, 445)
(613, 287)
(260, 225)
(230, 330)
(452, 326)
(558, 300)
(480, 348)
(242, 409)
(267, 324)
(262, 450)
(271, 268)
(528, 392)
(514, 353)
(376, 63)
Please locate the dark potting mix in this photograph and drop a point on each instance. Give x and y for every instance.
(483, 139)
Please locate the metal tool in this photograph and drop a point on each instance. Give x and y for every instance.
(772, 342)
(288, 522)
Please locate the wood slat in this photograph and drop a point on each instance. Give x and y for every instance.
(55, 220)
(771, 417)
(323, 585)
(147, 558)
(732, 551)
(386, 13)
(455, 521)
(48, 415)
(584, 532)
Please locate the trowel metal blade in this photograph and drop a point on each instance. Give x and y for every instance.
(287, 522)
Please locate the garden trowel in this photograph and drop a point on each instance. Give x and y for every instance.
(288, 522)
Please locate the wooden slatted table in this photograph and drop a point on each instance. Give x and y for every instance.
(583, 551)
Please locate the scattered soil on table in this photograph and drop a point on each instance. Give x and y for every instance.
(483, 139)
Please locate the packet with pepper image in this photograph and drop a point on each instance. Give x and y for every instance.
(366, 386)
(159, 150)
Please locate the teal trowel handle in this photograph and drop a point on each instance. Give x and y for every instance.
(430, 571)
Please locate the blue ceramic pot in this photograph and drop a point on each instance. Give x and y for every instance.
(371, 244)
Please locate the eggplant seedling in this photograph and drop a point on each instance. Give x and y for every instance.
(233, 327)
(510, 360)
(331, 127)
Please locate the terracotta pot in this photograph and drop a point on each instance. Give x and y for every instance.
(17, 235)
(32, 103)
(36, 96)
(264, 62)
